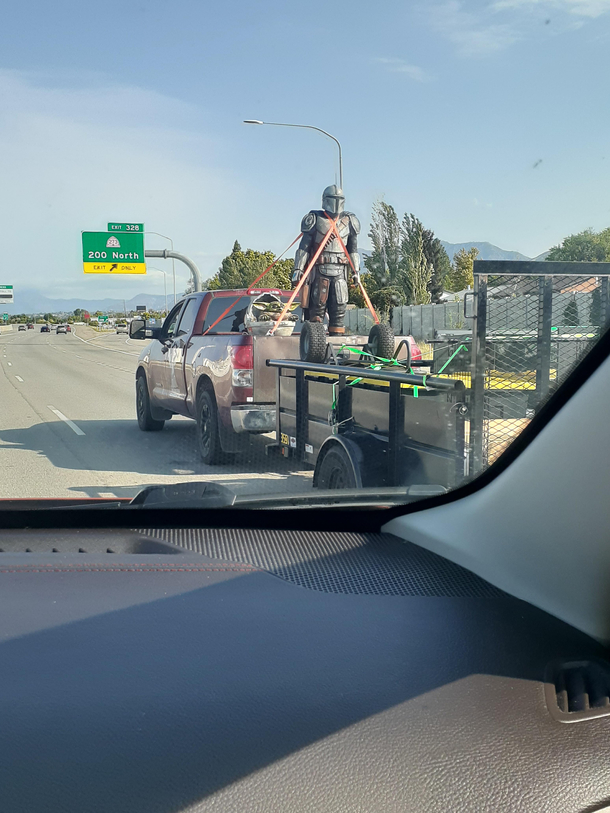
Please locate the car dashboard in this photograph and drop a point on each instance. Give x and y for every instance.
(181, 669)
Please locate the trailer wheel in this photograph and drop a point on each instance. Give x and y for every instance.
(336, 470)
(312, 343)
(381, 341)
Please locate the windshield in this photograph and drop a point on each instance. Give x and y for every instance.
(375, 297)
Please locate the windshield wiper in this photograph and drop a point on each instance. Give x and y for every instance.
(343, 498)
(200, 495)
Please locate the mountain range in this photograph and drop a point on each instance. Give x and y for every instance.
(487, 251)
(33, 301)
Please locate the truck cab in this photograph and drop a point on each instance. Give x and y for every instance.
(203, 363)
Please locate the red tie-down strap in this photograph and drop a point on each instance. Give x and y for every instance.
(269, 267)
(362, 288)
(249, 291)
(306, 273)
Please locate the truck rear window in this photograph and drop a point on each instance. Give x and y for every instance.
(233, 321)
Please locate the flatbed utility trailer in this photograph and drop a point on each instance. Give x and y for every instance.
(366, 428)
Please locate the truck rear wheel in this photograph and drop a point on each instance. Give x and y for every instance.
(312, 343)
(381, 341)
(336, 470)
(146, 422)
(207, 429)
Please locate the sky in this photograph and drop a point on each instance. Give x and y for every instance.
(488, 120)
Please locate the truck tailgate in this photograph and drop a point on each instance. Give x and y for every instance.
(270, 347)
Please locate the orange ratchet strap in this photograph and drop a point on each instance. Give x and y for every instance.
(304, 276)
(269, 267)
(222, 315)
(362, 288)
(249, 291)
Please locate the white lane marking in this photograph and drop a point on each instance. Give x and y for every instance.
(10, 363)
(18, 377)
(70, 423)
(101, 347)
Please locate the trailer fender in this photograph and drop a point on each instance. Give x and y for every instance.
(352, 450)
(368, 456)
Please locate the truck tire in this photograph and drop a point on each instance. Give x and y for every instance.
(146, 422)
(381, 341)
(336, 470)
(208, 437)
(312, 343)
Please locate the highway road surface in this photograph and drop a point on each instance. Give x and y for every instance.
(68, 426)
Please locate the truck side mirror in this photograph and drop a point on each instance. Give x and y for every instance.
(137, 329)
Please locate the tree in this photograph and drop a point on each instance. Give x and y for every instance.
(570, 314)
(412, 229)
(441, 264)
(384, 277)
(586, 246)
(417, 268)
(461, 276)
(404, 254)
(240, 268)
(78, 313)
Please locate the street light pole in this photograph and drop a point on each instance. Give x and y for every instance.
(173, 267)
(160, 270)
(305, 127)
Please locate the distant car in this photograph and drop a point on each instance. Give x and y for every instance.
(30, 326)
(61, 329)
(45, 329)
(122, 328)
(68, 329)
(21, 327)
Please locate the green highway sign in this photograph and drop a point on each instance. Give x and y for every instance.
(137, 227)
(6, 295)
(102, 318)
(5, 317)
(107, 253)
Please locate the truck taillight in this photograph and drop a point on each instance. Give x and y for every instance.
(242, 361)
(242, 357)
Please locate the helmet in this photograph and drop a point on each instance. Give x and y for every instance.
(333, 200)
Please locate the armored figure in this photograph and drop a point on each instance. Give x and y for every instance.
(326, 286)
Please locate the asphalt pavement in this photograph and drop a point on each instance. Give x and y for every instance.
(68, 426)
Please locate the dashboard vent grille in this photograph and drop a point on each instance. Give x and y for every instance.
(578, 690)
(374, 564)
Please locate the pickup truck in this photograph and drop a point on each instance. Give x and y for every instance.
(203, 364)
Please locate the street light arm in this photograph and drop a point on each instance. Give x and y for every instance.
(306, 127)
(165, 254)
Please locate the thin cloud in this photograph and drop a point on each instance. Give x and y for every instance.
(400, 66)
(580, 8)
(471, 34)
(72, 158)
(503, 23)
